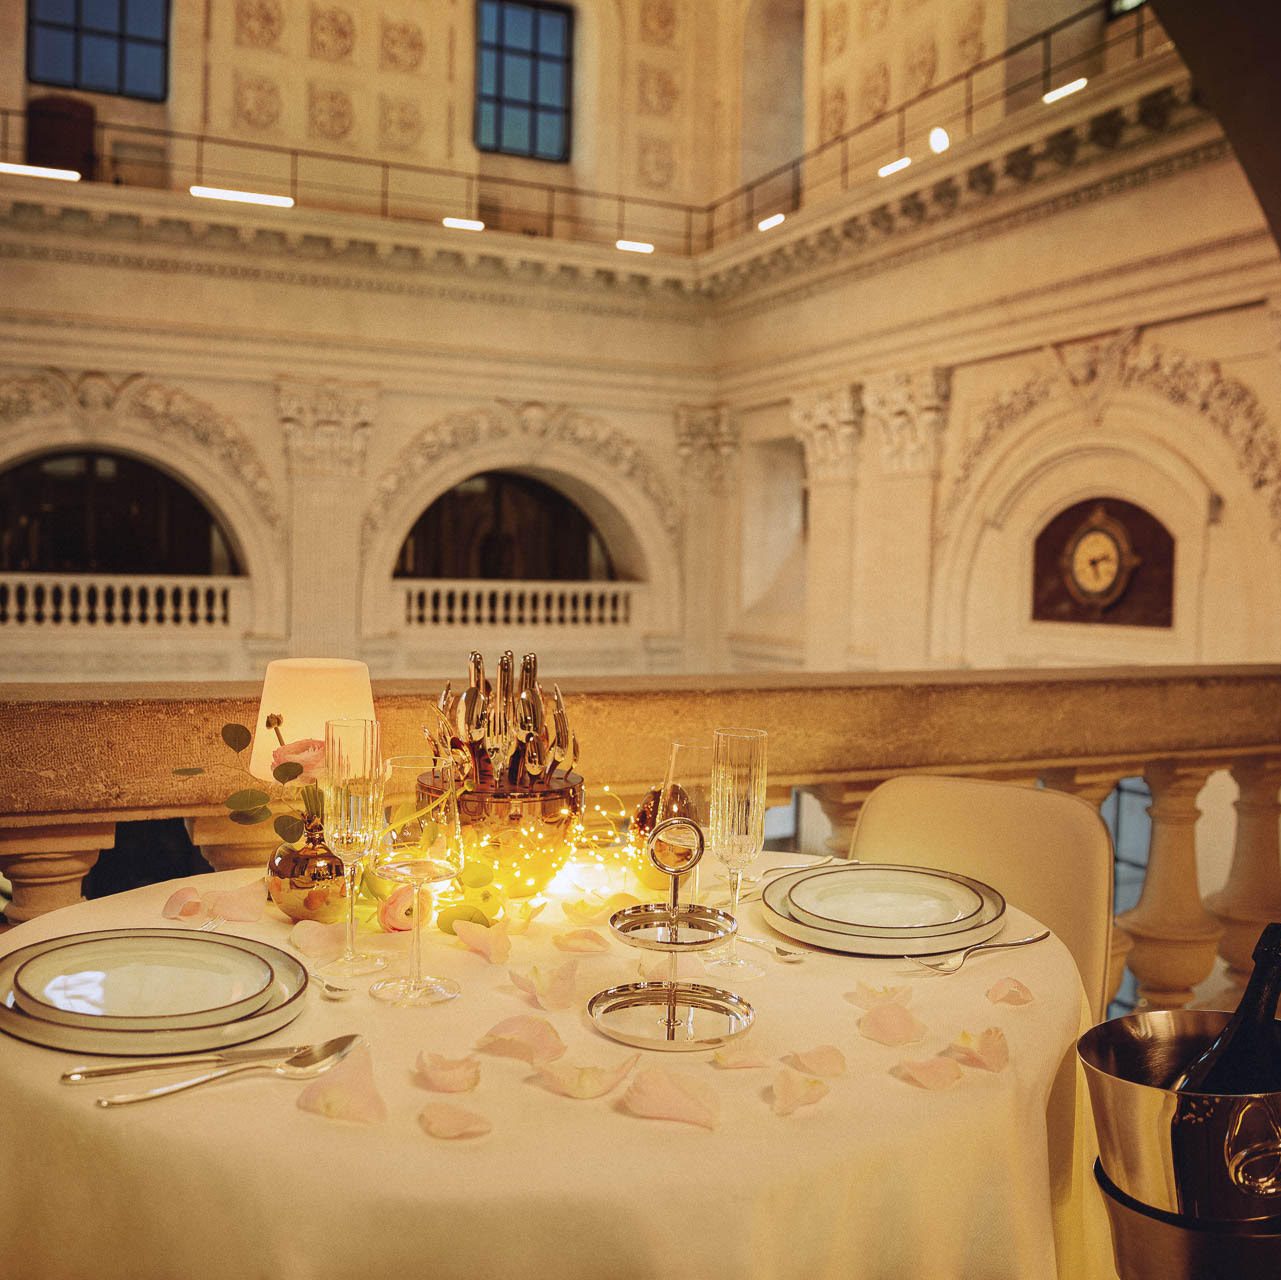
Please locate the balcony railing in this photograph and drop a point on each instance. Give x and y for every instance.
(452, 603)
(135, 602)
(835, 737)
(985, 93)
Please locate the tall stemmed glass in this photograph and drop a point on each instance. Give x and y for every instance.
(686, 793)
(353, 790)
(738, 821)
(422, 845)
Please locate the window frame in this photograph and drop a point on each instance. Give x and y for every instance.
(79, 28)
(532, 107)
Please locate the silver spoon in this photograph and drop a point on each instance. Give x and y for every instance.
(312, 1061)
(950, 964)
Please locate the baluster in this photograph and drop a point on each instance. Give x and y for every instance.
(450, 602)
(21, 610)
(176, 614)
(144, 604)
(1174, 935)
(77, 602)
(1252, 895)
(841, 803)
(55, 602)
(507, 609)
(126, 604)
(627, 608)
(225, 609)
(38, 603)
(159, 600)
(4, 602)
(493, 608)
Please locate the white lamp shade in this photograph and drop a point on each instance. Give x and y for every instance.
(304, 693)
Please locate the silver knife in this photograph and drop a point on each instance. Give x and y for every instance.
(81, 1075)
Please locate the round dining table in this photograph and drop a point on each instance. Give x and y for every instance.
(879, 1178)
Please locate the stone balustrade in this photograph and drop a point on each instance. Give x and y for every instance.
(105, 601)
(80, 758)
(480, 605)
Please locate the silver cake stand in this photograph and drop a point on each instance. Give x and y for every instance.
(671, 1016)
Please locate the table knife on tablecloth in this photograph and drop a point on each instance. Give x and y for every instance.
(81, 1075)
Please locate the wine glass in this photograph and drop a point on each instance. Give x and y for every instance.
(353, 791)
(422, 845)
(737, 821)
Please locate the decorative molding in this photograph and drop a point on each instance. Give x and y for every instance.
(872, 16)
(333, 33)
(401, 47)
(909, 413)
(829, 425)
(656, 91)
(255, 101)
(259, 23)
(968, 34)
(834, 31)
(330, 113)
(874, 91)
(326, 425)
(833, 111)
(707, 442)
(922, 64)
(656, 162)
(400, 122)
(658, 23)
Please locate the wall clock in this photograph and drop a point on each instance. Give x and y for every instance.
(1098, 560)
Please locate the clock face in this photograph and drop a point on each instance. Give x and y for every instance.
(1096, 562)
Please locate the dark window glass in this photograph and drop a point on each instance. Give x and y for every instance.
(105, 46)
(524, 58)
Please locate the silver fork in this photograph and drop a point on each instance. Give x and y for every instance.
(950, 964)
(210, 925)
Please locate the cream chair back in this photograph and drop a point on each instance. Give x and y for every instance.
(1048, 852)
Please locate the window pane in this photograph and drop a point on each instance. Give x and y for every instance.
(516, 130)
(518, 74)
(488, 72)
(144, 69)
(54, 10)
(518, 27)
(553, 33)
(489, 21)
(100, 15)
(145, 18)
(487, 129)
(551, 135)
(99, 63)
(53, 55)
(551, 84)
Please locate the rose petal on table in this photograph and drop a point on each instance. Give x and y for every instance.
(532, 1040)
(826, 1060)
(658, 1094)
(245, 903)
(317, 940)
(448, 1075)
(890, 1023)
(182, 904)
(584, 1082)
(520, 918)
(347, 1091)
(653, 970)
(594, 910)
(793, 1089)
(869, 997)
(396, 911)
(1010, 991)
(987, 1051)
(550, 988)
(489, 941)
(930, 1073)
(738, 1057)
(583, 941)
(445, 1120)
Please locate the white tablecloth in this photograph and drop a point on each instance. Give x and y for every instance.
(879, 1179)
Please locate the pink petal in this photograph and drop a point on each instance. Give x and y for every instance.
(245, 903)
(182, 904)
(659, 1094)
(550, 988)
(826, 1060)
(347, 1091)
(520, 918)
(890, 1023)
(396, 911)
(584, 1082)
(653, 970)
(793, 1090)
(316, 940)
(869, 997)
(586, 941)
(932, 1073)
(988, 1051)
(532, 1040)
(738, 1057)
(448, 1075)
(1010, 991)
(490, 941)
(445, 1120)
(594, 911)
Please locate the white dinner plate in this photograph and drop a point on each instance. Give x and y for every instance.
(284, 1004)
(887, 901)
(142, 983)
(778, 914)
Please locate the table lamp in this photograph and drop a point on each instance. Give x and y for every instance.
(299, 695)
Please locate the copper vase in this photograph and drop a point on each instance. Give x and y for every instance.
(307, 883)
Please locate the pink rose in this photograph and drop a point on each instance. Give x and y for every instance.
(396, 912)
(308, 752)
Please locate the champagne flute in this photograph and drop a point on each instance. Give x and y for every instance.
(353, 790)
(422, 845)
(737, 821)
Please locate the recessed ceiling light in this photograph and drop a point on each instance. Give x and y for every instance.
(634, 246)
(463, 224)
(940, 140)
(773, 220)
(242, 197)
(39, 171)
(1063, 90)
(894, 166)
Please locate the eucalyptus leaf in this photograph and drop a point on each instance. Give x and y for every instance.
(428, 836)
(187, 773)
(250, 817)
(236, 736)
(288, 828)
(287, 772)
(245, 800)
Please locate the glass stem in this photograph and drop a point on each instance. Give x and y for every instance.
(416, 954)
(735, 887)
(349, 873)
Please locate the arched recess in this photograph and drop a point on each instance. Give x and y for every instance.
(582, 456)
(773, 96)
(50, 410)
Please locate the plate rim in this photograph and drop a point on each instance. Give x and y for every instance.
(958, 925)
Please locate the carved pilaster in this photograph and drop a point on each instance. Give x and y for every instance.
(326, 425)
(707, 442)
(829, 425)
(908, 412)
(47, 865)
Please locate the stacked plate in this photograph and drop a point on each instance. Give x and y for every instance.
(878, 909)
(148, 991)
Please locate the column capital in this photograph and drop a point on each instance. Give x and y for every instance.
(908, 412)
(829, 425)
(326, 425)
(707, 441)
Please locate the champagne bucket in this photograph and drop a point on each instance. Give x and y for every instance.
(1204, 1156)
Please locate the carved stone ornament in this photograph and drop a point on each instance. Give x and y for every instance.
(326, 425)
(656, 91)
(922, 64)
(707, 443)
(329, 112)
(259, 23)
(969, 34)
(256, 101)
(835, 28)
(658, 23)
(333, 33)
(833, 111)
(541, 425)
(874, 92)
(656, 162)
(401, 48)
(829, 425)
(908, 411)
(400, 122)
(872, 16)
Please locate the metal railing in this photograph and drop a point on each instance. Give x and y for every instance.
(976, 98)
(442, 602)
(141, 602)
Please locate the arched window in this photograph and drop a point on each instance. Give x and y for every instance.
(97, 512)
(501, 525)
